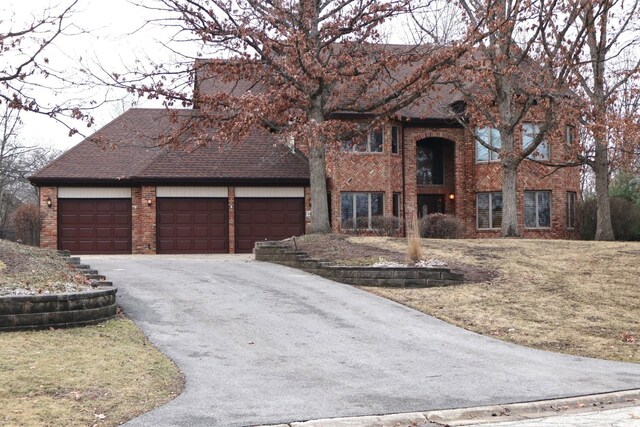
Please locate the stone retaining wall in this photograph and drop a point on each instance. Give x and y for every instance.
(416, 277)
(23, 312)
(20, 312)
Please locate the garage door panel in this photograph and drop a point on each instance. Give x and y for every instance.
(122, 246)
(121, 233)
(193, 225)
(277, 218)
(200, 218)
(67, 232)
(94, 226)
(259, 219)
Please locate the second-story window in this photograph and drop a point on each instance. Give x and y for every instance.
(569, 135)
(491, 137)
(529, 133)
(395, 139)
(372, 143)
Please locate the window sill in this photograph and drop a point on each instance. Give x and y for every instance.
(486, 162)
(537, 228)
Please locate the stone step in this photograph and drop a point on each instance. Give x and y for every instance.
(95, 276)
(64, 253)
(96, 283)
(82, 266)
(86, 271)
(73, 260)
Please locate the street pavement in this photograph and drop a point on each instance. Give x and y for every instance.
(265, 344)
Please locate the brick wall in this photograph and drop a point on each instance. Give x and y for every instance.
(464, 178)
(143, 220)
(49, 230)
(370, 172)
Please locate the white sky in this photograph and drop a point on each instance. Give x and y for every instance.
(111, 40)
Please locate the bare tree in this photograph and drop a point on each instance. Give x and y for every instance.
(27, 72)
(17, 161)
(514, 76)
(303, 64)
(606, 71)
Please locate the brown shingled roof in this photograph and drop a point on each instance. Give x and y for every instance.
(433, 105)
(130, 149)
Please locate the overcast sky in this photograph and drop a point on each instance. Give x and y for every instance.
(113, 35)
(111, 40)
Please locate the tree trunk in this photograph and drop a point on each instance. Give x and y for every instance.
(318, 174)
(604, 229)
(509, 199)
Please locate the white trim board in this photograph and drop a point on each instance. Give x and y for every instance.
(275, 192)
(191, 191)
(94, 193)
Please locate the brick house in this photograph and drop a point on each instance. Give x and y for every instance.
(140, 196)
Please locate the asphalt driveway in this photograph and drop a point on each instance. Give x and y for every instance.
(263, 344)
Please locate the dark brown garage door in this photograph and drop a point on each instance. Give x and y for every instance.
(267, 219)
(192, 226)
(94, 226)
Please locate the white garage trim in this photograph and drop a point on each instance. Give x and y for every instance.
(94, 193)
(270, 192)
(178, 191)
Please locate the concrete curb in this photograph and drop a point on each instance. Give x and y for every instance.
(485, 414)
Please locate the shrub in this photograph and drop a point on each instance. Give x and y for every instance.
(27, 221)
(625, 219)
(385, 225)
(440, 226)
(626, 186)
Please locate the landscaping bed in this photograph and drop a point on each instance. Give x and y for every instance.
(573, 297)
(25, 270)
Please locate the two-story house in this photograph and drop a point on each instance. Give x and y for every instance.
(141, 196)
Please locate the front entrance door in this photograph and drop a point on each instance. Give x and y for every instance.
(430, 203)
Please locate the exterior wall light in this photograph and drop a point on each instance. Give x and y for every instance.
(452, 196)
(149, 202)
(49, 202)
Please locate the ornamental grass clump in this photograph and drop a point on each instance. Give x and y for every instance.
(414, 243)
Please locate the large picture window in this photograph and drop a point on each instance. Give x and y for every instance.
(529, 133)
(490, 137)
(537, 209)
(358, 209)
(489, 206)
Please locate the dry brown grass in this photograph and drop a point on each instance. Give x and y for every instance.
(100, 375)
(575, 297)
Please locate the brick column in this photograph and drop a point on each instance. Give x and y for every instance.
(232, 220)
(143, 220)
(49, 230)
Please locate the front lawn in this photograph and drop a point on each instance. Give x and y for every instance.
(99, 375)
(573, 297)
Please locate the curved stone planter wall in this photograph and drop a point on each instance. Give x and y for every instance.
(362, 276)
(56, 310)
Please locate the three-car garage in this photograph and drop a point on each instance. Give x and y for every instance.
(188, 220)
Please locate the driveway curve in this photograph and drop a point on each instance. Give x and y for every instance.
(264, 344)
